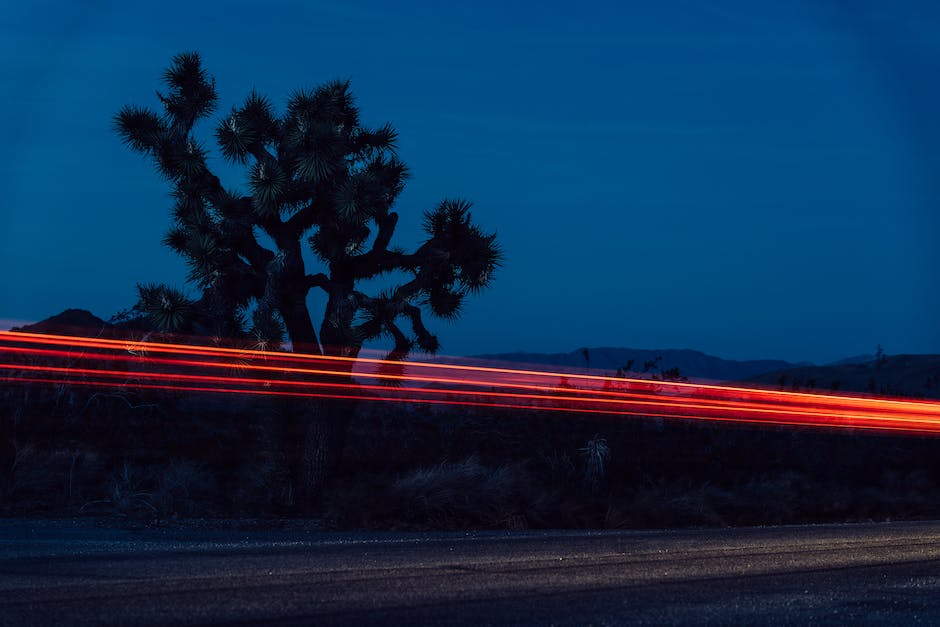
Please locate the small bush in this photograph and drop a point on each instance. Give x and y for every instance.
(661, 503)
(184, 489)
(450, 495)
(596, 454)
(128, 495)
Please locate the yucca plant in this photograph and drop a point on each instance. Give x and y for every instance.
(316, 175)
(596, 454)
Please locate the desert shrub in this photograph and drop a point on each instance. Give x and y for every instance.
(40, 480)
(450, 495)
(185, 489)
(773, 499)
(129, 494)
(37, 479)
(260, 487)
(460, 494)
(413, 435)
(556, 468)
(596, 454)
(661, 503)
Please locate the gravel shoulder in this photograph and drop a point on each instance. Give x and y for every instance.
(292, 572)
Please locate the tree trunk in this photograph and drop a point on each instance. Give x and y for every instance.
(317, 438)
(321, 452)
(300, 330)
(318, 428)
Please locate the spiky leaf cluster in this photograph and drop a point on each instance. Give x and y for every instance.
(314, 173)
(251, 126)
(462, 258)
(191, 92)
(267, 329)
(169, 309)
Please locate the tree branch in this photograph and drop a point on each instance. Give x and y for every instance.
(244, 243)
(389, 261)
(379, 259)
(407, 291)
(261, 154)
(318, 280)
(426, 340)
(402, 343)
(300, 222)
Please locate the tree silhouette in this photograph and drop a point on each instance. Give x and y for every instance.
(315, 175)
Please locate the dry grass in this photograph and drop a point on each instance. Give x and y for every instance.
(450, 495)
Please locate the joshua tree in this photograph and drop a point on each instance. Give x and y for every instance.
(316, 175)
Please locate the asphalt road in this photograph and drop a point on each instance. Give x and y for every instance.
(57, 572)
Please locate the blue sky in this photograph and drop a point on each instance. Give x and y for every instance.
(748, 179)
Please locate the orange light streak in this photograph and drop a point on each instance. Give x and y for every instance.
(557, 394)
(652, 386)
(618, 396)
(602, 396)
(768, 413)
(903, 428)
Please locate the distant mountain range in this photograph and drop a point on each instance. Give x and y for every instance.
(692, 364)
(894, 375)
(908, 375)
(67, 322)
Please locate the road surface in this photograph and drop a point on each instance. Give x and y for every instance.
(60, 572)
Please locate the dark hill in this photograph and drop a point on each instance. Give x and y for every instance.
(84, 323)
(692, 364)
(897, 375)
(69, 321)
(855, 359)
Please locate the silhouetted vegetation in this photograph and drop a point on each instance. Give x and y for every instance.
(316, 176)
(157, 455)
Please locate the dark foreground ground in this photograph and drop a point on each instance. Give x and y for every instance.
(57, 572)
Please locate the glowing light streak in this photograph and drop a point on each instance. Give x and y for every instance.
(602, 396)
(911, 429)
(574, 403)
(638, 397)
(558, 394)
(644, 384)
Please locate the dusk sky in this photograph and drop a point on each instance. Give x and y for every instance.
(750, 179)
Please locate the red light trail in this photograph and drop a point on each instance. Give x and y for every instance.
(184, 368)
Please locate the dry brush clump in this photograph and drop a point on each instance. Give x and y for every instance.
(129, 494)
(450, 495)
(77, 450)
(664, 503)
(185, 489)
